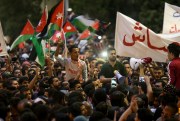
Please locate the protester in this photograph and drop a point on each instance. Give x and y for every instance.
(75, 68)
(109, 68)
(174, 65)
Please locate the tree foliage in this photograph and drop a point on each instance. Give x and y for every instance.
(14, 14)
(148, 12)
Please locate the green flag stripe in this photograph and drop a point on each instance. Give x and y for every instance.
(79, 25)
(20, 39)
(39, 51)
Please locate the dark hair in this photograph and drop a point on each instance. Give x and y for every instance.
(99, 62)
(75, 108)
(72, 47)
(73, 83)
(145, 114)
(89, 89)
(96, 116)
(41, 111)
(102, 107)
(99, 96)
(22, 79)
(75, 96)
(50, 80)
(174, 48)
(117, 99)
(110, 49)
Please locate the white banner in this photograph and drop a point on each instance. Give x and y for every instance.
(3, 49)
(132, 39)
(171, 22)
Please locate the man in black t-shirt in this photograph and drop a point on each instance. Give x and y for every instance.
(111, 67)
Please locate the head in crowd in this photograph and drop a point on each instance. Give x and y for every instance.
(173, 50)
(74, 84)
(28, 116)
(12, 83)
(74, 52)
(99, 96)
(117, 99)
(111, 54)
(96, 116)
(159, 84)
(76, 109)
(75, 96)
(25, 93)
(17, 72)
(99, 64)
(54, 82)
(24, 81)
(41, 111)
(128, 68)
(169, 110)
(143, 114)
(158, 72)
(102, 107)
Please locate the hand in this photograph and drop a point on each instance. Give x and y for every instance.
(147, 79)
(133, 104)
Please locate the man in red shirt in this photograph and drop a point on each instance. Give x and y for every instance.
(174, 64)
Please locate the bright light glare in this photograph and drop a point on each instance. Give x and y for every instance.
(104, 54)
(99, 37)
(69, 9)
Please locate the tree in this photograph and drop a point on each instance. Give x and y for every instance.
(148, 12)
(14, 16)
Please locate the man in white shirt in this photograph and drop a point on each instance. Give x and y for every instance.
(74, 67)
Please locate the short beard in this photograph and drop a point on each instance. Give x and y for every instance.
(113, 59)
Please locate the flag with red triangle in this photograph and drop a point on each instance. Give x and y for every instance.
(26, 34)
(57, 35)
(43, 21)
(69, 29)
(58, 15)
(89, 31)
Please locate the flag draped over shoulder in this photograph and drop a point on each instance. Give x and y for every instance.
(171, 23)
(26, 34)
(136, 40)
(3, 49)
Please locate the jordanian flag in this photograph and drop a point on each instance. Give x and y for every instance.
(57, 35)
(90, 31)
(26, 34)
(82, 23)
(69, 29)
(43, 21)
(56, 21)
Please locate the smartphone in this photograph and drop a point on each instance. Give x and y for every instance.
(141, 79)
(113, 83)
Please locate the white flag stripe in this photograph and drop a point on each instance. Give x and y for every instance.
(3, 49)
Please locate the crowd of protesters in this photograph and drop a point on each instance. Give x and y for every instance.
(68, 88)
